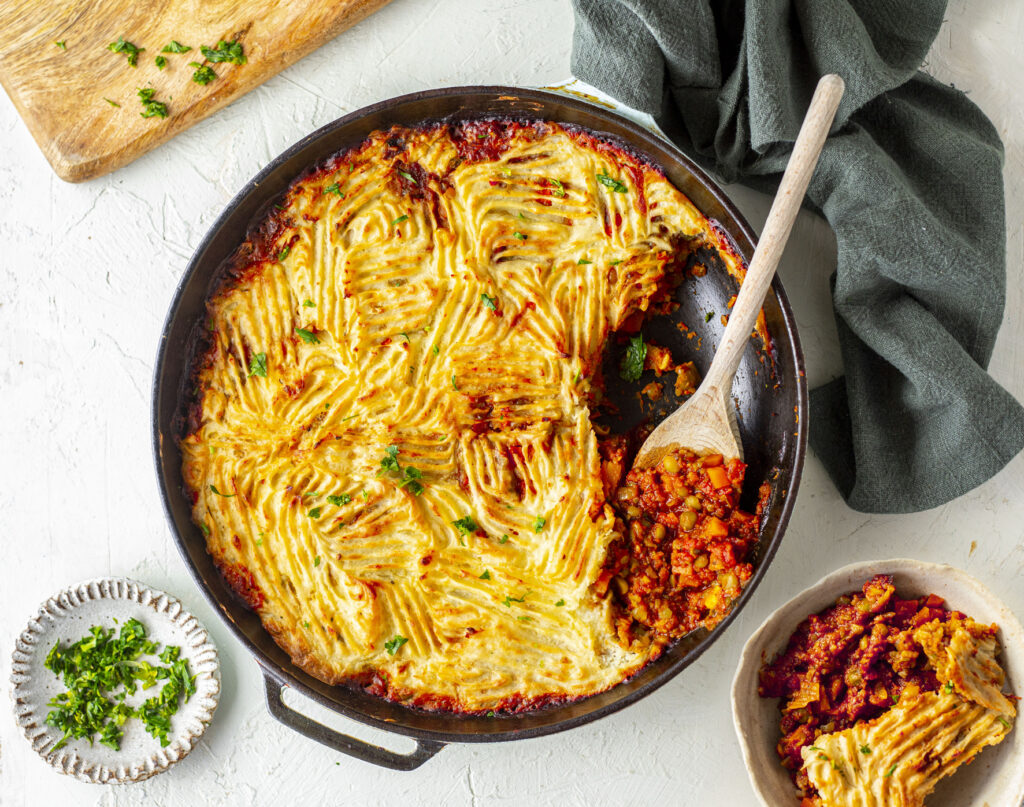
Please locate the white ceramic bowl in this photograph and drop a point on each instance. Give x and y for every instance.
(67, 616)
(994, 779)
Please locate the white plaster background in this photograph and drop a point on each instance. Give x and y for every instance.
(87, 272)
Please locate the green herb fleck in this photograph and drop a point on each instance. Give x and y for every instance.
(538, 523)
(128, 49)
(1004, 721)
(338, 501)
(465, 525)
(409, 476)
(160, 62)
(316, 561)
(614, 184)
(225, 495)
(258, 365)
(283, 253)
(315, 512)
(519, 235)
(891, 770)
(104, 667)
(204, 74)
(399, 220)
(306, 624)
(225, 52)
(503, 539)
(559, 604)
(632, 366)
(174, 46)
(408, 176)
(436, 350)
(62, 44)
(205, 529)
(308, 337)
(525, 618)
(335, 189)
(365, 495)
(112, 103)
(489, 302)
(490, 713)
(708, 316)
(948, 686)
(151, 108)
(559, 188)
(393, 644)
(486, 575)
(507, 602)
(583, 262)
(308, 304)
(864, 749)
(454, 385)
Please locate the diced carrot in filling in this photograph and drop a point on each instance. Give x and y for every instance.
(719, 478)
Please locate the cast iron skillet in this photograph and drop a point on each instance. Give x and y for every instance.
(772, 408)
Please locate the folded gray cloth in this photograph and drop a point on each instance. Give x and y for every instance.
(910, 180)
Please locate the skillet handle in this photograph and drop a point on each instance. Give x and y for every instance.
(374, 754)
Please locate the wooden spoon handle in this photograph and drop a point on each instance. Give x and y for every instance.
(776, 231)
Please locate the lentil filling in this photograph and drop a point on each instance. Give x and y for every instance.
(682, 560)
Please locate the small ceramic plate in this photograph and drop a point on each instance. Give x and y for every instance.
(67, 617)
(995, 778)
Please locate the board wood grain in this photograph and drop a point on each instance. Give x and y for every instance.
(61, 93)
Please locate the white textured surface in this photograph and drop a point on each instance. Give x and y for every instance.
(87, 272)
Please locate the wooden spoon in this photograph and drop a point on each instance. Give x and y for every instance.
(707, 421)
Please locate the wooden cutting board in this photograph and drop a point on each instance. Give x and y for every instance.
(60, 93)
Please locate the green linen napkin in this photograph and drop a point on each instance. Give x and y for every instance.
(910, 180)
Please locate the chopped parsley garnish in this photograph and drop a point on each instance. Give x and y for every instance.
(486, 575)
(335, 189)
(407, 176)
(100, 670)
(864, 749)
(308, 337)
(160, 62)
(559, 604)
(224, 52)
(507, 602)
(409, 476)
(399, 220)
(708, 316)
(316, 561)
(525, 618)
(519, 235)
(112, 103)
(315, 512)
(365, 495)
(538, 523)
(62, 44)
(393, 644)
(151, 108)
(308, 304)
(559, 187)
(490, 713)
(632, 366)
(583, 262)
(258, 365)
(891, 770)
(174, 46)
(454, 385)
(344, 498)
(1004, 721)
(283, 253)
(205, 529)
(204, 73)
(465, 525)
(503, 539)
(490, 302)
(614, 263)
(948, 686)
(614, 184)
(128, 49)
(225, 495)
(406, 336)
(306, 624)
(436, 350)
